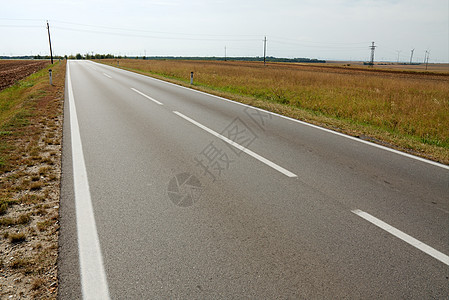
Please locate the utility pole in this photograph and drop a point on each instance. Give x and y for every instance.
(49, 41)
(427, 60)
(425, 57)
(372, 47)
(264, 50)
(225, 53)
(399, 52)
(411, 56)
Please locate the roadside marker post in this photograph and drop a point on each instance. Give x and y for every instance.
(51, 80)
(191, 77)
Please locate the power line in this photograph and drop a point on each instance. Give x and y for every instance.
(277, 43)
(152, 31)
(129, 32)
(21, 26)
(317, 46)
(152, 36)
(314, 42)
(282, 40)
(10, 19)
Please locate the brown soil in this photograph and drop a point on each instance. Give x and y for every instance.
(12, 71)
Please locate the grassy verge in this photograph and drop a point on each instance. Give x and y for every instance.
(404, 110)
(30, 161)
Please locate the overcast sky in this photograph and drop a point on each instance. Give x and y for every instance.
(323, 29)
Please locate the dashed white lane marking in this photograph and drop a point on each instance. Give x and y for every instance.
(146, 96)
(238, 146)
(108, 76)
(93, 277)
(403, 236)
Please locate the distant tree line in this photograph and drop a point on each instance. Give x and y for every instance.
(366, 63)
(111, 56)
(257, 58)
(93, 56)
(31, 57)
(16, 57)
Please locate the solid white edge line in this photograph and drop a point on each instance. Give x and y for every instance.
(403, 236)
(93, 277)
(297, 121)
(108, 76)
(238, 146)
(146, 96)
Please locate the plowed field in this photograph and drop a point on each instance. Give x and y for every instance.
(13, 70)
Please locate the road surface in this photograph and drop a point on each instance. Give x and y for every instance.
(172, 193)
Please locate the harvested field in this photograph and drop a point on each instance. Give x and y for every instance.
(12, 71)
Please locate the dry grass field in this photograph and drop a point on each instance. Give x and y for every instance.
(403, 109)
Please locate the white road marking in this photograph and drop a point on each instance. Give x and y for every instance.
(108, 76)
(238, 146)
(298, 121)
(146, 96)
(93, 277)
(403, 236)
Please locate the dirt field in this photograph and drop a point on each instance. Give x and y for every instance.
(13, 70)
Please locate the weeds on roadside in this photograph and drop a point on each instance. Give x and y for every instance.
(37, 283)
(3, 207)
(17, 237)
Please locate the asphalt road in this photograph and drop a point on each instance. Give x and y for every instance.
(194, 196)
